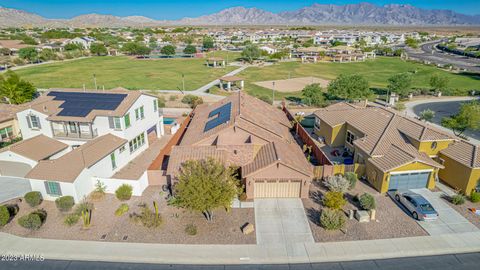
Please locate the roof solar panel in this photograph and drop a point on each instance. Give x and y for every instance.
(80, 104)
(219, 116)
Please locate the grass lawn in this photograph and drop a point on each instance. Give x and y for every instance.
(375, 71)
(123, 71)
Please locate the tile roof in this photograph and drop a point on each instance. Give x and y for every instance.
(464, 152)
(180, 154)
(288, 154)
(36, 148)
(47, 105)
(384, 132)
(8, 111)
(67, 167)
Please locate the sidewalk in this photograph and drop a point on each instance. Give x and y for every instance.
(240, 254)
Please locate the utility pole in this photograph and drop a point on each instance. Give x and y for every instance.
(183, 82)
(273, 92)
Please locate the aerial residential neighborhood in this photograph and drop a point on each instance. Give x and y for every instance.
(273, 136)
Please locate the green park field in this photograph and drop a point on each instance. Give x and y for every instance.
(375, 71)
(124, 72)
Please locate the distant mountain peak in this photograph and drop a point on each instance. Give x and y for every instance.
(363, 13)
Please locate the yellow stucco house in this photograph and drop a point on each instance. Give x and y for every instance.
(398, 152)
(462, 166)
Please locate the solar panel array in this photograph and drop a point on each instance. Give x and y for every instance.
(80, 104)
(221, 114)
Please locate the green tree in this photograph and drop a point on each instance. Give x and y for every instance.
(168, 50)
(208, 43)
(400, 83)
(427, 115)
(135, 48)
(29, 53)
(205, 185)
(438, 83)
(98, 49)
(349, 87)
(468, 117)
(47, 55)
(412, 43)
(73, 47)
(189, 49)
(251, 52)
(17, 91)
(312, 95)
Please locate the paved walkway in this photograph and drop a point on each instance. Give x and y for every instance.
(283, 224)
(449, 220)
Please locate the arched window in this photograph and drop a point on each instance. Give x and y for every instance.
(433, 145)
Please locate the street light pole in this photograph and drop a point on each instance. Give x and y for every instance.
(183, 82)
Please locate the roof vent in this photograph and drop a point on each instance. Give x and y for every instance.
(44, 108)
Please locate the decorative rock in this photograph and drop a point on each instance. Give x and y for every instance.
(248, 228)
(362, 216)
(350, 214)
(373, 214)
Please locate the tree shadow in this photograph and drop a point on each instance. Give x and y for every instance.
(313, 215)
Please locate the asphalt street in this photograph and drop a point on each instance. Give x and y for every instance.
(451, 262)
(444, 109)
(428, 52)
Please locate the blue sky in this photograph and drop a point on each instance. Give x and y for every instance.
(175, 9)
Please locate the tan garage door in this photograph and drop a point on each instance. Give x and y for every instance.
(277, 189)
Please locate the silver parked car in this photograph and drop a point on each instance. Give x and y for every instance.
(418, 206)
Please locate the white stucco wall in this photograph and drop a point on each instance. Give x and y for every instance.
(14, 157)
(68, 189)
(113, 184)
(27, 132)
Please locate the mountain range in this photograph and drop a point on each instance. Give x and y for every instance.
(316, 14)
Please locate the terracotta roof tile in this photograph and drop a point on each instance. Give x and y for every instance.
(465, 153)
(37, 148)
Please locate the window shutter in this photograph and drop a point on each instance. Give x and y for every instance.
(47, 188)
(110, 122)
(38, 121)
(28, 121)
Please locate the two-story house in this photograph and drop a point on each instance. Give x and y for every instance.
(102, 131)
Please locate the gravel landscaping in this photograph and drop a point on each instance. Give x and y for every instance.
(391, 221)
(463, 210)
(224, 229)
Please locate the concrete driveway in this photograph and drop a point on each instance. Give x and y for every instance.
(13, 187)
(449, 221)
(282, 225)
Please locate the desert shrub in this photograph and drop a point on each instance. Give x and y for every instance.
(99, 192)
(148, 218)
(191, 229)
(34, 220)
(243, 197)
(65, 203)
(352, 179)
(332, 219)
(172, 98)
(124, 192)
(334, 200)
(82, 207)
(4, 215)
(71, 219)
(33, 198)
(400, 106)
(367, 201)
(122, 209)
(192, 100)
(458, 199)
(475, 197)
(337, 183)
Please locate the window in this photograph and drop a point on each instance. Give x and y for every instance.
(122, 149)
(350, 137)
(33, 122)
(136, 143)
(317, 123)
(139, 113)
(433, 145)
(127, 120)
(155, 105)
(112, 158)
(6, 133)
(142, 113)
(116, 123)
(53, 188)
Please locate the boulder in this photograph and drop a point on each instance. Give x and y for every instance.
(248, 228)
(362, 216)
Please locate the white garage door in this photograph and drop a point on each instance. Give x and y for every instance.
(277, 189)
(411, 180)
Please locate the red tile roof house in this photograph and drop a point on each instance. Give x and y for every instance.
(244, 131)
(74, 138)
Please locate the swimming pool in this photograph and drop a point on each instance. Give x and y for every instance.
(169, 120)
